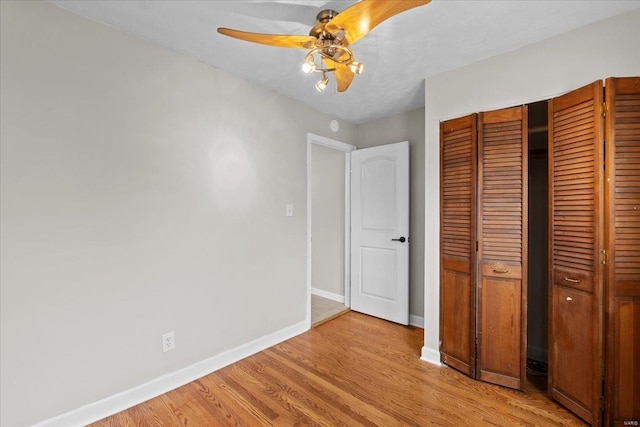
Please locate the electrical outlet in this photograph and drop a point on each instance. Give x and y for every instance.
(168, 342)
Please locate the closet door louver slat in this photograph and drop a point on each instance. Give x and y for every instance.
(576, 238)
(502, 241)
(457, 243)
(623, 246)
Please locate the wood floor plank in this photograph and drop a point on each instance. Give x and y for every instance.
(358, 410)
(280, 392)
(161, 413)
(357, 375)
(260, 417)
(318, 396)
(248, 391)
(215, 396)
(355, 370)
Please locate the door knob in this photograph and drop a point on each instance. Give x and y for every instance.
(401, 240)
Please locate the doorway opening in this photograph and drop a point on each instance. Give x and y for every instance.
(328, 219)
(538, 247)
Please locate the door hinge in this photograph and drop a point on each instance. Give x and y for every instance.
(604, 257)
(476, 246)
(604, 109)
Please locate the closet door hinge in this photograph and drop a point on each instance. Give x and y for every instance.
(604, 109)
(603, 256)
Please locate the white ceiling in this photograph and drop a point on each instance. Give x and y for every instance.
(398, 54)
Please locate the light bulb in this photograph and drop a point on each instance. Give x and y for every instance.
(356, 67)
(322, 84)
(309, 67)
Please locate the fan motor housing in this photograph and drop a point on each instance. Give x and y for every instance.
(326, 15)
(323, 17)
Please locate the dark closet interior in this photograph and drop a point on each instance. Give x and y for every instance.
(538, 277)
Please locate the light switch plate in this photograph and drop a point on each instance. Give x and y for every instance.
(289, 210)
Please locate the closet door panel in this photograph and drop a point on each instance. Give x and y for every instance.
(624, 383)
(457, 243)
(502, 246)
(623, 247)
(576, 239)
(574, 387)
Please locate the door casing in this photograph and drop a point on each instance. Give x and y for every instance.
(347, 149)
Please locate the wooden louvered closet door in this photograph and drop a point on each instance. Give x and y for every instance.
(576, 239)
(502, 246)
(623, 247)
(457, 243)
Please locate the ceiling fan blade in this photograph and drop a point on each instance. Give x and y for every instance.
(344, 75)
(279, 40)
(364, 16)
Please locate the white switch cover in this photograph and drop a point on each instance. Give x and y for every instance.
(289, 210)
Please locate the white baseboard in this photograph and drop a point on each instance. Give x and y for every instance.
(417, 321)
(119, 402)
(328, 295)
(430, 355)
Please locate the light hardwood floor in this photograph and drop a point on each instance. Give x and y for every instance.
(354, 370)
(324, 309)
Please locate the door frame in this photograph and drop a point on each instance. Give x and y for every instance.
(313, 139)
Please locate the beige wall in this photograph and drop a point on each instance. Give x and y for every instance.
(327, 213)
(539, 71)
(142, 192)
(407, 126)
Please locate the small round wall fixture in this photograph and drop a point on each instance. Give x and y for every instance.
(334, 125)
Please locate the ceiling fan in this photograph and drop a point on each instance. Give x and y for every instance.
(331, 37)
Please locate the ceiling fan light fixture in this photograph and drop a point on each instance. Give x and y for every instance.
(356, 67)
(331, 37)
(322, 84)
(308, 67)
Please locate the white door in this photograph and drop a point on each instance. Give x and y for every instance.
(380, 231)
